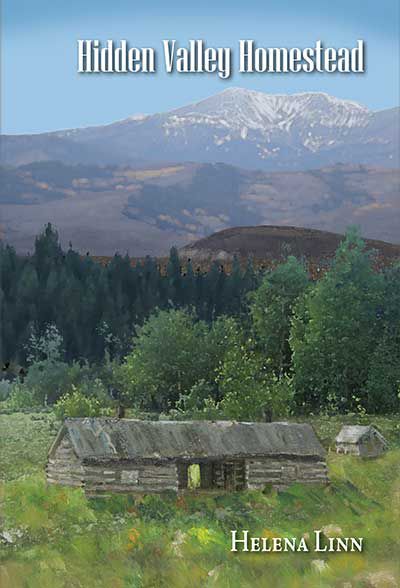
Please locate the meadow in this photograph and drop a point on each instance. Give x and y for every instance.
(54, 537)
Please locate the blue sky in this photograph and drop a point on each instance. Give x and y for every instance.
(41, 90)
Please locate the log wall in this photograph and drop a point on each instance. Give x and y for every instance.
(229, 475)
(128, 476)
(283, 472)
(123, 476)
(64, 467)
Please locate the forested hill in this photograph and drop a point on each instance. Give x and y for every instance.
(92, 303)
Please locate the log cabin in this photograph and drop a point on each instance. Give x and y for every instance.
(363, 441)
(126, 455)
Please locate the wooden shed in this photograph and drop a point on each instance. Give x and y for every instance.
(123, 455)
(364, 441)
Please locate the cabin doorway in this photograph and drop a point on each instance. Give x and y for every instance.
(229, 476)
(193, 476)
(233, 476)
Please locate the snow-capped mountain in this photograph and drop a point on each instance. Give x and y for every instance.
(240, 109)
(237, 126)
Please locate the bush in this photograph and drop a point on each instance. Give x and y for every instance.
(20, 397)
(172, 353)
(76, 404)
(198, 404)
(5, 389)
(49, 376)
(156, 508)
(49, 380)
(251, 391)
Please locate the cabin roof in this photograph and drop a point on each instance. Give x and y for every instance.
(356, 433)
(110, 438)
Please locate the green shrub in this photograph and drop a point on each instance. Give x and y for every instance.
(5, 389)
(76, 404)
(198, 404)
(250, 388)
(20, 397)
(156, 508)
(50, 377)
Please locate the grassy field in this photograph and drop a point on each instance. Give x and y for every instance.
(55, 537)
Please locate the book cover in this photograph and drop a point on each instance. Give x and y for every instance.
(200, 294)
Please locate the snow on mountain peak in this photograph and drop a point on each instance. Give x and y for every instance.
(312, 120)
(236, 108)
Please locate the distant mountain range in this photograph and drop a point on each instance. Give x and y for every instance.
(239, 127)
(147, 210)
(238, 158)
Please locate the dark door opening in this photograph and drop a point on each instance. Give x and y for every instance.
(228, 476)
(233, 475)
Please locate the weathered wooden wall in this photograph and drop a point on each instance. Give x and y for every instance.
(229, 475)
(371, 447)
(348, 448)
(283, 472)
(64, 467)
(122, 476)
(132, 476)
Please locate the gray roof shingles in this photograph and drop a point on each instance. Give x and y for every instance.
(109, 438)
(355, 433)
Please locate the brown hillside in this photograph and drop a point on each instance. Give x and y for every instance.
(267, 245)
(270, 242)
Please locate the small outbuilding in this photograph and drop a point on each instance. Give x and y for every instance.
(124, 455)
(364, 441)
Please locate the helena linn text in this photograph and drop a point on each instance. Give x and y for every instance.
(317, 542)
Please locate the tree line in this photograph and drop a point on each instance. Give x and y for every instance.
(245, 345)
(98, 306)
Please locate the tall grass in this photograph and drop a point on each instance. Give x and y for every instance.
(54, 537)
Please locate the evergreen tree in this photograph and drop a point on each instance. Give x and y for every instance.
(174, 277)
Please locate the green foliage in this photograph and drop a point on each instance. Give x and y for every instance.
(163, 362)
(172, 353)
(249, 388)
(5, 389)
(95, 307)
(25, 440)
(335, 331)
(48, 375)
(53, 536)
(38, 509)
(383, 384)
(76, 404)
(20, 397)
(156, 508)
(198, 404)
(271, 311)
(46, 346)
(48, 380)
(333, 343)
